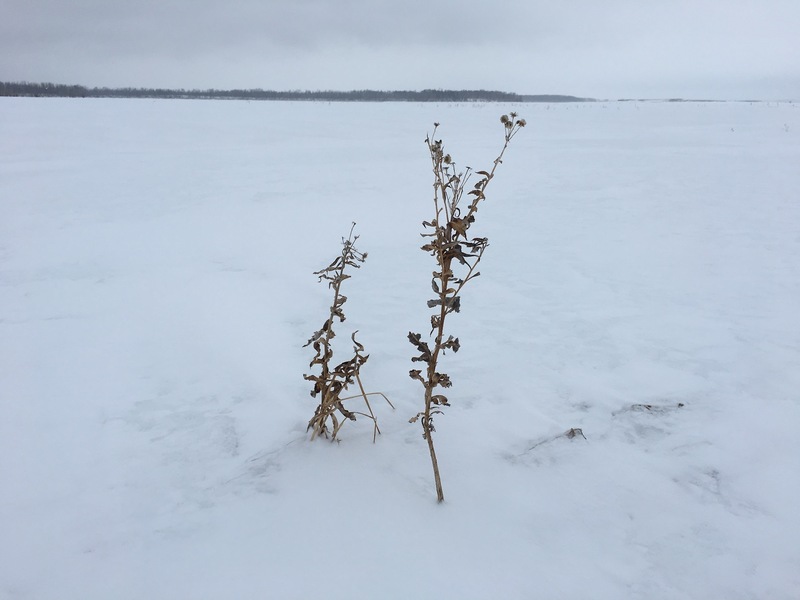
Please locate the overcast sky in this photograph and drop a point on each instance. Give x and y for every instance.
(597, 48)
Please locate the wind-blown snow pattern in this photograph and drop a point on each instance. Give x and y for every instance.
(642, 284)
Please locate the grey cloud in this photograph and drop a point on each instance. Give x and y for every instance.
(521, 45)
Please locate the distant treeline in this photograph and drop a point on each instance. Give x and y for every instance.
(78, 91)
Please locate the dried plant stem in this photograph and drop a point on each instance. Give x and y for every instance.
(330, 382)
(427, 419)
(449, 242)
(428, 433)
(377, 431)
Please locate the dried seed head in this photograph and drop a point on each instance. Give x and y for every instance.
(504, 119)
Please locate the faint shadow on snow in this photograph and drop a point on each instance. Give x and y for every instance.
(707, 485)
(635, 424)
(543, 448)
(258, 471)
(184, 445)
(202, 427)
(649, 422)
(658, 430)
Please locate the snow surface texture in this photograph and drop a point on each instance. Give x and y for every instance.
(156, 288)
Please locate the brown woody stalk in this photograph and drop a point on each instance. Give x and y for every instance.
(331, 381)
(453, 249)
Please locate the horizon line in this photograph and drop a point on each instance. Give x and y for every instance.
(467, 94)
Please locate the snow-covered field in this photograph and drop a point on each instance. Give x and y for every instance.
(156, 289)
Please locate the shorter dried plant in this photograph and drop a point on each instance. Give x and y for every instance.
(332, 381)
(454, 250)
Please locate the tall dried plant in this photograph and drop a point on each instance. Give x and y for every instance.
(331, 381)
(455, 251)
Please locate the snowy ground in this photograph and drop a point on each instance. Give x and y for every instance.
(156, 288)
